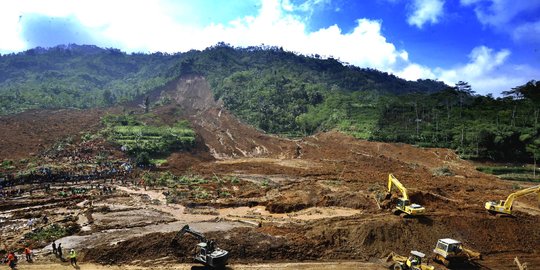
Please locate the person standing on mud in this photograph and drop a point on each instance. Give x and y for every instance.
(59, 251)
(73, 257)
(28, 253)
(12, 260)
(54, 247)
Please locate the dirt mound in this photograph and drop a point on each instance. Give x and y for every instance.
(243, 244)
(359, 237)
(296, 198)
(151, 246)
(374, 237)
(29, 132)
(431, 199)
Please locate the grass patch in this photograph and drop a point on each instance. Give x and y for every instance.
(144, 141)
(505, 170)
(158, 161)
(48, 233)
(520, 177)
(515, 173)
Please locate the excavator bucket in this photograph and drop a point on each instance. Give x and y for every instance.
(390, 257)
(473, 255)
(394, 257)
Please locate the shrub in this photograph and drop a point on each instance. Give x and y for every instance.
(443, 171)
(48, 233)
(143, 159)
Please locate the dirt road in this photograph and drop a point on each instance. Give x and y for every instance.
(273, 266)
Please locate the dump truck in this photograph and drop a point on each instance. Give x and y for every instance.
(505, 206)
(207, 253)
(404, 205)
(413, 262)
(452, 252)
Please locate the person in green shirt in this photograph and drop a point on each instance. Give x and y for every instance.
(73, 257)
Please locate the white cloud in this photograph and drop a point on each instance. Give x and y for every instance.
(364, 46)
(482, 61)
(425, 11)
(416, 71)
(508, 16)
(151, 28)
(486, 71)
(500, 12)
(527, 32)
(306, 6)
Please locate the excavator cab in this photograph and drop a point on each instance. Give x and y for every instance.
(415, 259)
(207, 252)
(201, 252)
(402, 203)
(405, 206)
(211, 256)
(450, 251)
(447, 247)
(497, 207)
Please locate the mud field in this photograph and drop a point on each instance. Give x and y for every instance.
(290, 204)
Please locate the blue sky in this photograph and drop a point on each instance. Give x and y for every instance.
(492, 44)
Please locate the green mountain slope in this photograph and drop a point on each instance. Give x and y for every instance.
(284, 93)
(77, 76)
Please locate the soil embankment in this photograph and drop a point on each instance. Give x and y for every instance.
(314, 198)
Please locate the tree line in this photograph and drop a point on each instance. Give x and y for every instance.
(286, 93)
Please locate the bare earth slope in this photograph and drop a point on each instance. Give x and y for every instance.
(223, 134)
(314, 197)
(29, 132)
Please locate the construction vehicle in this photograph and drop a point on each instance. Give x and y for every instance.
(207, 252)
(413, 262)
(404, 205)
(505, 206)
(452, 252)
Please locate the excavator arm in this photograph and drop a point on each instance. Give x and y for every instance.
(392, 180)
(404, 205)
(505, 206)
(197, 235)
(512, 197)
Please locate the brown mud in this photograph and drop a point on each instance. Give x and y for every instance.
(291, 188)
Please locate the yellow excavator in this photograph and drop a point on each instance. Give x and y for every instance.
(505, 206)
(404, 205)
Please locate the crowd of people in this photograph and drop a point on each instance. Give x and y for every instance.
(11, 259)
(86, 163)
(48, 175)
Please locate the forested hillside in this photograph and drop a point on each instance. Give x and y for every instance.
(77, 76)
(285, 93)
(505, 129)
